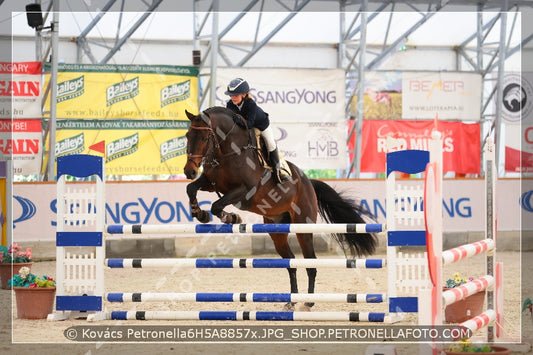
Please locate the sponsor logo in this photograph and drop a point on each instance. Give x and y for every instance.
(173, 148)
(175, 92)
(122, 147)
(322, 145)
(526, 201)
(517, 98)
(28, 209)
(71, 145)
(122, 91)
(70, 89)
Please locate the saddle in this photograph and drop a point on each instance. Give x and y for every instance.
(263, 154)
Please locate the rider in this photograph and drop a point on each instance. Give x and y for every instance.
(243, 104)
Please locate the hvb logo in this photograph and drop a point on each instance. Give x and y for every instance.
(525, 201)
(28, 209)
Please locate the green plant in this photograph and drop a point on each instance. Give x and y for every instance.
(26, 279)
(528, 304)
(14, 254)
(457, 280)
(465, 346)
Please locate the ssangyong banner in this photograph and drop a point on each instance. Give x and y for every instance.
(20, 90)
(291, 95)
(451, 96)
(167, 203)
(21, 140)
(137, 110)
(312, 145)
(461, 143)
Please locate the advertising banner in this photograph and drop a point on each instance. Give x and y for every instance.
(383, 96)
(291, 95)
(312, 145)
(21, 140)
(453, 96)
(517, 117)
(167, 203)
(517, 105)
(138, 110)
(461, 143)
(132, 147)
(20, 90)
(148, 92)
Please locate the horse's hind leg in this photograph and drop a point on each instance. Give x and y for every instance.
(281, 244)
(306, 244)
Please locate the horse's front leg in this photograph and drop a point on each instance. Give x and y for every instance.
(233, 197)
(192, 189)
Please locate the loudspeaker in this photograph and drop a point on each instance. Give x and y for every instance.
(34, 15)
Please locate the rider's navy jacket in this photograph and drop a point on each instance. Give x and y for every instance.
(253, 114)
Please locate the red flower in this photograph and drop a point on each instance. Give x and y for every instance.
(34, 285)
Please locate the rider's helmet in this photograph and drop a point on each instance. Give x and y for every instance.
(237, 86)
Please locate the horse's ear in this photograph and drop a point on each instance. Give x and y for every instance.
(190, 116)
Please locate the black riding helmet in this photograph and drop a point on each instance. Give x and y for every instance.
(237, 86)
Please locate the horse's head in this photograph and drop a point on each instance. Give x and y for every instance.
(199, 137)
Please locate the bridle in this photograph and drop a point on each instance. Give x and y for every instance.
(209, 156)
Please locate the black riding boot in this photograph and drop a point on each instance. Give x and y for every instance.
(276, 166)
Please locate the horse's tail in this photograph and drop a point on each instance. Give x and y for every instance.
(334, 208)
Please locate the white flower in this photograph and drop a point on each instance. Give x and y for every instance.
(24, 271)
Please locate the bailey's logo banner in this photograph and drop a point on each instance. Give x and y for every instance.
(122, 91)
(70, 89)
(175, 92)
(138, 110)
(122, 147)
(173, 148)
(71, 145)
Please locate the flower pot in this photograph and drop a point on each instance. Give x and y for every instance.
(34, 303)
(8, 270)
(465, 309)
(496, 350)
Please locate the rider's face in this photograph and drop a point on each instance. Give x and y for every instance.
(236, 99)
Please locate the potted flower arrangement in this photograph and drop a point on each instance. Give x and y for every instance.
(464, 309)
(464, 346)
(12, 259)
(34, 295)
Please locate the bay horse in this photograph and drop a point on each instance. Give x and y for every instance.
(221, 142)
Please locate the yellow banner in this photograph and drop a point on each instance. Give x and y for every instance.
(89, 91)
(139, 111)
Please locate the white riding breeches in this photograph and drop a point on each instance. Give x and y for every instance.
(268, 136)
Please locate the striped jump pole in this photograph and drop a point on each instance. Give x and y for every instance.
(480, 321)
(460, 292)
(252, 315)
(247, 263)
(465, 251)
(246, 297)
(245, 228)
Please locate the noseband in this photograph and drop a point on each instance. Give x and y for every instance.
(208, 156)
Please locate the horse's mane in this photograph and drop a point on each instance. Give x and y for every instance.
(239, 121)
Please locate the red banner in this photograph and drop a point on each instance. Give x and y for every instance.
(461, 143)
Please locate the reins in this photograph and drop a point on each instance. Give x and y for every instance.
(209, 156)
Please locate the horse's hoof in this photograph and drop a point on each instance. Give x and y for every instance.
(203, 217)
(303, 307)
(236, 219)
(289, 307)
